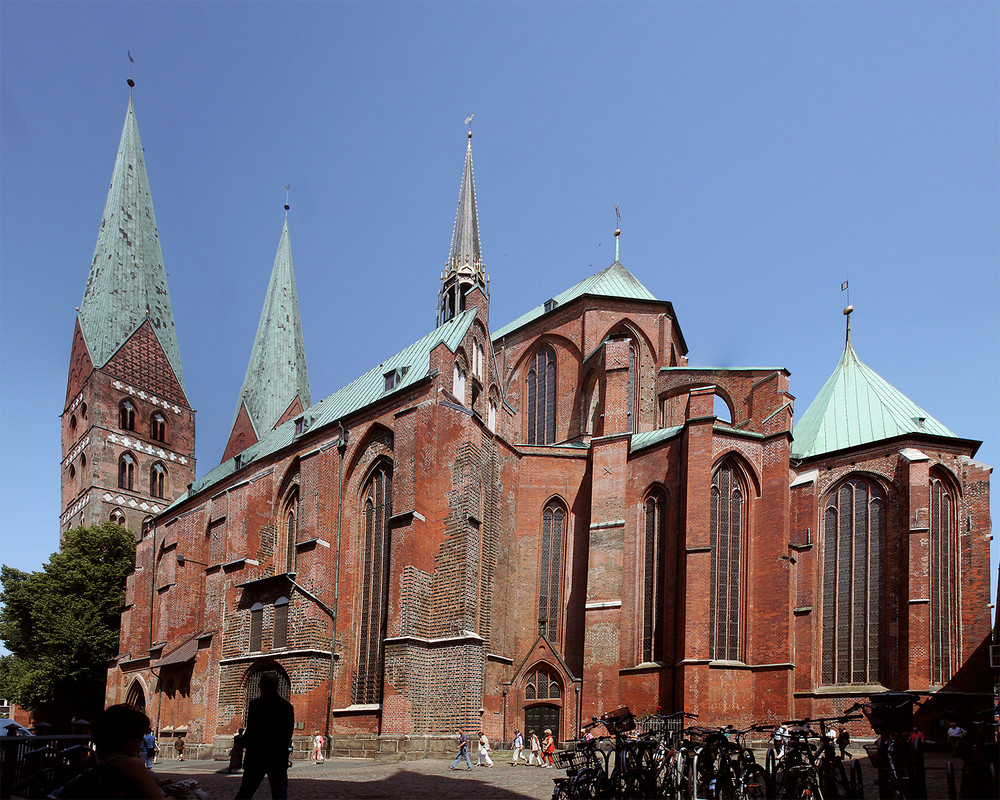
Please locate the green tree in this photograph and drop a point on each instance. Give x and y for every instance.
(61, 624)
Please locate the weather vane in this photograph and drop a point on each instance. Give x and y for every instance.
(618, 228)
(131, 61)
(287, 187)
(468, 121)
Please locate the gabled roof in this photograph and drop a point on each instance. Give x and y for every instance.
(856, 406)
(613, 281)
(128, 283)
(408, 366)
(277, 370)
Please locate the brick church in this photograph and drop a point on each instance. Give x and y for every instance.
(517, 525)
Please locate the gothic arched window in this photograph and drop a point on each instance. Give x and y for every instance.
(726, 541)
(550, 572)
(126, 471)
(158, 427)
(376, 511)
(633, 376)
(853, 543)
(126, 415)
(542, 685)
(157, 478)
(118, 517)
(256, 627)
(654, 570)
(541, 395)
(290, 528)
(943, 582)
(281, 622)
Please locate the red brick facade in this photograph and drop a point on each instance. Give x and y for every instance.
(156, 434)
(487, 540)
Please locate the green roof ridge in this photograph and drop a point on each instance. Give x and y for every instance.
(857, 406)
(128, 283)
(277, 371)
(612, 281)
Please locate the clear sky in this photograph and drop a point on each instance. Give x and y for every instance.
(760, 152)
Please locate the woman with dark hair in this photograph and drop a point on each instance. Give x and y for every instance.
(117, 771)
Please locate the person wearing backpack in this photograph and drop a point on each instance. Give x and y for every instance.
(149, 749)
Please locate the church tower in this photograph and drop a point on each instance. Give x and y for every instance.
(276, 386)
(127, 426)
(465, 263)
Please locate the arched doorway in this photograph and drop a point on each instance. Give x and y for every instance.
(542, 701)
(539, 717)
(136, 697)
(253, 684)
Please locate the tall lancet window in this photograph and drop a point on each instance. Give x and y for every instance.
(633, 376)
(653, 570)
(943, 582)
(377, 508)
(551, 569)
(541, 390)
(726, 540)
(290, 524)
(853, 543)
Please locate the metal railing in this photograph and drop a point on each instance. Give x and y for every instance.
(32, 766)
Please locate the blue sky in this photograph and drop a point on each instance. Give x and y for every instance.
(760, 152)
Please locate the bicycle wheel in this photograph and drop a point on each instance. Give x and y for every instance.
(771, 763)
(586, 784)
(755, 784)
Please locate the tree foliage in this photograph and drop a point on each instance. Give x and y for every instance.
(61, 624)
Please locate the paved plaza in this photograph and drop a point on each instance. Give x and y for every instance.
(362, 779)
(430, 779)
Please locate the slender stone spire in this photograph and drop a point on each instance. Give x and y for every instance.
(128, 283)
(465, 263)
(276, 386)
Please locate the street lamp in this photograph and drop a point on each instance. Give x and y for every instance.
(182, 560)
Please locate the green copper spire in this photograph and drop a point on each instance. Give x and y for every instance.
(277, 373)
(128, 283)
(465, 262)
(856, 406)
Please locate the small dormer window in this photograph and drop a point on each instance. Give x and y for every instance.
(390, 380)
(549, 305)
(238, 460)
(300, 426)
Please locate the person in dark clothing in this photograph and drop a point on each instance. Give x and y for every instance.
(236, 754)
(270, 721)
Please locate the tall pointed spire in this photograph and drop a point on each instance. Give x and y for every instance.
(128, 283)
(465, 263)
(276, 386)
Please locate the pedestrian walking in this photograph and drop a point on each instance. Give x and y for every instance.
(484, 751)
(548, 749)
(536, 751)
(148, 749)
(236, 754)
(270, 721)
(463, 751)
(317, 752)
(518, 749)
(179, 747)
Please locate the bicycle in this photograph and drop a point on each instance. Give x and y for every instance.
(899, 762)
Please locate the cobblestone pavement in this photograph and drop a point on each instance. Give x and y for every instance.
(430, 779)
(362, 779)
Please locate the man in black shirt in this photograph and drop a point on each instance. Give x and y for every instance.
(270, 721)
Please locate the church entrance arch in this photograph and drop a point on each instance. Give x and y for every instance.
(539, 717)
(136, 697)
